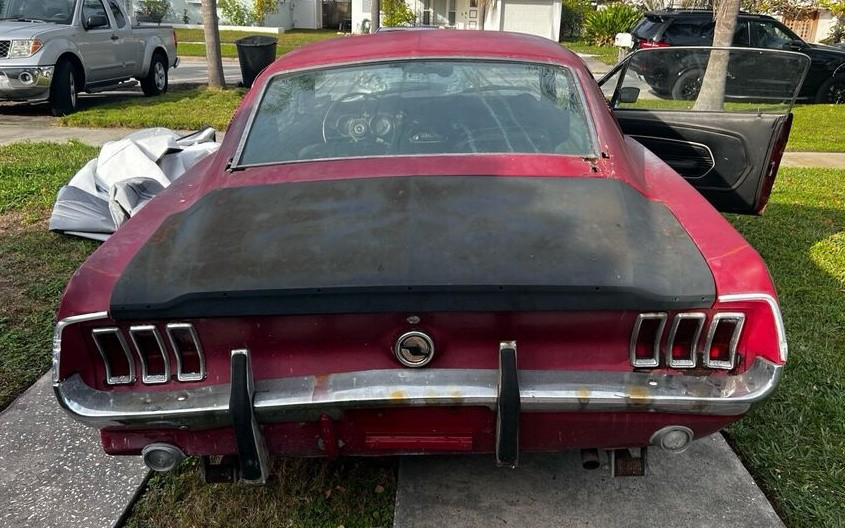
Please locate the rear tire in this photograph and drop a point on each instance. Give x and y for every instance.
(156, 81)
(832, 91)
(687, 86)
(64, 89)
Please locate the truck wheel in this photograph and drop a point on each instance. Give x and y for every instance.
(63, 90)
(832, 91)
(687, 86)
(155, 83)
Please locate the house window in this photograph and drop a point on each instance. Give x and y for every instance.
(452, 15)
(426, 13)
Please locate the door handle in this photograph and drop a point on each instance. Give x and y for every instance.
(115, 37)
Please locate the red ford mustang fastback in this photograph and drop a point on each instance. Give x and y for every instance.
(434, 242)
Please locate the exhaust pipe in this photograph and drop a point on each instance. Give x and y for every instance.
(162, 457)
(590, 459)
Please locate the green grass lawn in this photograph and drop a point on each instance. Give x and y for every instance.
(818, 128)
(606, 54)
(35, 264)
(191, 41)
(180, 110)
(794, 444)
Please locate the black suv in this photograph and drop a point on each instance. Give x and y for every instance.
(825, 82)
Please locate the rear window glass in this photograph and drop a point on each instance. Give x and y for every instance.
(647, 28)
(419, 107)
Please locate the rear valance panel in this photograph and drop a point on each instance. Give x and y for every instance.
(416, 244)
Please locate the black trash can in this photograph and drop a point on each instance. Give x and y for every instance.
(255, 53)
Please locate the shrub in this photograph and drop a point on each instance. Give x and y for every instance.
(602, 26)
(155, 10)
(262, 8)
(572, 16)
(396, 13)
(236, 13)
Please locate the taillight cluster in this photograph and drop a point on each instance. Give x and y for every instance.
(690, 339)
(147, 343)
(646, 44)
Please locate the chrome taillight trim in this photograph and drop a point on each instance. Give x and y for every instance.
(59, 330)
(676, 322)
(739, 322)
(146, 377)
(180, 374)
(653, 361)
(111, 379)
(773, 306)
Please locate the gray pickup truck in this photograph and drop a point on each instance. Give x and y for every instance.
(53, 49)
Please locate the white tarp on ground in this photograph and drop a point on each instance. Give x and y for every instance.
(129, 172)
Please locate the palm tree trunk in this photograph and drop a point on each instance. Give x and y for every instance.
(712, 94)
(212, 44)
(374, 15)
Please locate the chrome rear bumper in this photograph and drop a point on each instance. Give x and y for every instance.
(306, 398)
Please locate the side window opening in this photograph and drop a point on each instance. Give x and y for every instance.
(119, 19)
(93, 8)
(690, 32)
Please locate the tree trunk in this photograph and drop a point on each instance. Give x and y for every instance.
(374, 15)
(712, 94)
(212, 44)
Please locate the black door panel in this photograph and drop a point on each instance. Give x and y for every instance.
(726, 156)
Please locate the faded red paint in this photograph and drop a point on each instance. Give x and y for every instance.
(358, 342)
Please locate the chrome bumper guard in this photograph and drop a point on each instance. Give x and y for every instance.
(307, 398)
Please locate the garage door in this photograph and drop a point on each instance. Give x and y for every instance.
(529, 16)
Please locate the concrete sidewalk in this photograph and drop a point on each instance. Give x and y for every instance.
(53, 471)
(704, 487)
(824, 160)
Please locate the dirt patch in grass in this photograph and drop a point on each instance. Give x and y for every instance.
(303, 493)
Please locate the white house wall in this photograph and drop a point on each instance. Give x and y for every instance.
(463, 11)
(290, 14)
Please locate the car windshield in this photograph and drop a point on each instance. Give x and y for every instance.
(56, 11)
(419, 107)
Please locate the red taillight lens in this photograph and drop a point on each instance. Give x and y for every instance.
(682, 347)
(155, 366)
(722, 340)
(645, 340)
(118, 362)
(646, 44)
(190, 363)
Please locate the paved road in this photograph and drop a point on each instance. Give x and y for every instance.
(195, 71)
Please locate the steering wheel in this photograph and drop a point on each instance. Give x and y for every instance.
(359, 129)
